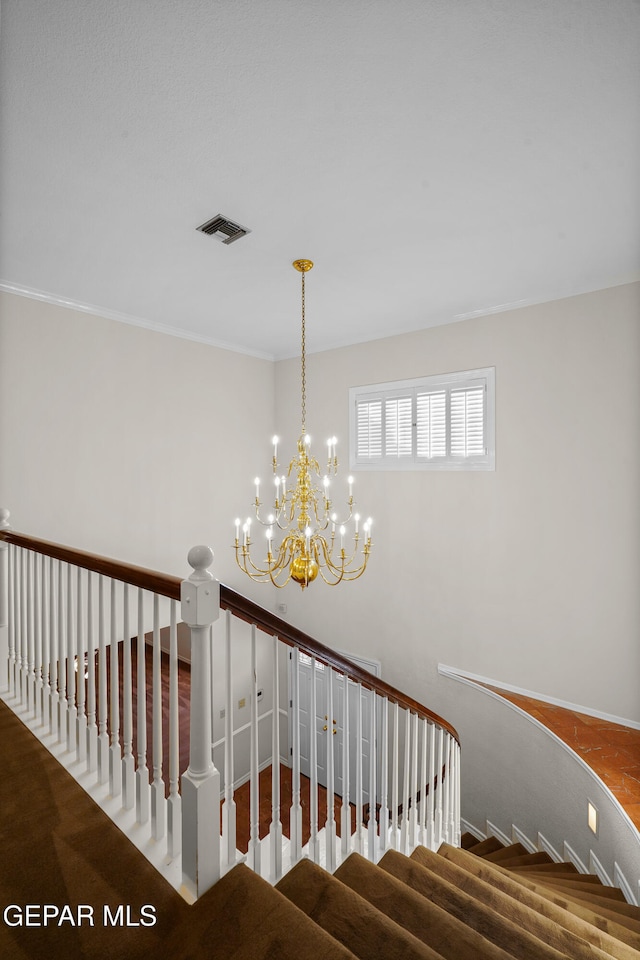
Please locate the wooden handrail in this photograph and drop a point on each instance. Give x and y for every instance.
(251, 612)
(241, 607)
(160, 583)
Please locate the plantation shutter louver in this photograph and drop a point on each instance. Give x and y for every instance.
(431, 427)
(369, 427)
(467, 422)
(398, 427)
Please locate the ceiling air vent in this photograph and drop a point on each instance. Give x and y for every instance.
(223, 229)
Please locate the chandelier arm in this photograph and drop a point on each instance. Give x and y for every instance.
(330, 583)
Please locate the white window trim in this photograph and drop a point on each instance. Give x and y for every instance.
(464, 378)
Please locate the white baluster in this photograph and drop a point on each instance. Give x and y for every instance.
(314, 843)
(439, 791)
(54, 662)
(128, 761)
(295, 814)
(456, 837)
(22, 629)
(12, 616)
(158, 824)
(413, 810)
(46, 642)
(395, 774)
(81, 722)
(453, 770)
(63, 715)
(30, 666)
(431, 796)
(103, 702)
(253, 853)
(384, 776)
(37, 635)
(445, 783)
(372, 779)
(115, 752)
(6, 618)
(422, 824)
(359, 816)
(200, 596)
(92, 729)
(404, 832)
(143, 789)
(174, 803)
(275, 830)
(345, 810)
(72, 710)
(330, 828)
(229, 805)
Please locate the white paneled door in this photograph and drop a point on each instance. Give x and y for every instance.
(325, 714)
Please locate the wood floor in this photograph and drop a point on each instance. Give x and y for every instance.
(241, 796)
(610, 749)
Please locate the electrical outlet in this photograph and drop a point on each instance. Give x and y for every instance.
(260, 694)
(282, 608)
(222, 714)
(242, 703)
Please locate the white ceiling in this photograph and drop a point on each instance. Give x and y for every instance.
(435, 158)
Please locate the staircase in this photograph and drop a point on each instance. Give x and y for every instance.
(453, 904)
(385, 893)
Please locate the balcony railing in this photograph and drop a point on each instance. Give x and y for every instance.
(119, 669)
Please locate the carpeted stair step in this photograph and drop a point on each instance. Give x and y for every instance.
(565, 869)
(597, 891)
(526, 860)
(425, 920)
(490, 845)
(350, 918)
(607, 934)
(526, 916)
(611, 910)
(596, 909)
(468, 840)
(243, 917)
(492, 922)
(513, 850)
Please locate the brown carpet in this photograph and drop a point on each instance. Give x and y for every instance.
(58, 847)
(64, 857)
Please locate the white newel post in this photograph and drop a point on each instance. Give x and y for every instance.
(200, 606)
(4, 601)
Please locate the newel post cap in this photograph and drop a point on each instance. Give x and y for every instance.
(200, 594)
(4, 518)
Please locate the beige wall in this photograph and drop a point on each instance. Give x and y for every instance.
(530, 574)
(116, 439)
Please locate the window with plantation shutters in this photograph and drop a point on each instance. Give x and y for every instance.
(435, 423)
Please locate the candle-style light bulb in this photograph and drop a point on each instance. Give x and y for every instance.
(350, 482)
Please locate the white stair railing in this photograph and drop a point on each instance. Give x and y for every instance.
(90, 662)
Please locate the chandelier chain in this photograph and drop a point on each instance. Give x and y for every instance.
(303, 364)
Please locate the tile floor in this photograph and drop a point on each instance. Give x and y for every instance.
(610, 749)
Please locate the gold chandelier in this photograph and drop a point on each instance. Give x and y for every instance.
(304, 537)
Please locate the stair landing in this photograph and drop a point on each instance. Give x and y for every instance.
(611, 750)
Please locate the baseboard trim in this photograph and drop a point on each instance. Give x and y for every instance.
(456, 674)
